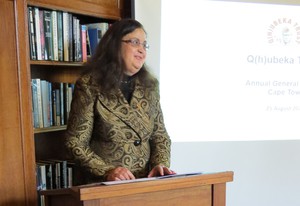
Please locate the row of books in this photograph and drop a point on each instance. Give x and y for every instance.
(54, 174)
(51, 102)
(59, 36)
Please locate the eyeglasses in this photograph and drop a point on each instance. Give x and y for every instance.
(137, 43)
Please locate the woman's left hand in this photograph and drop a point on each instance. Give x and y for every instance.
(160, 170)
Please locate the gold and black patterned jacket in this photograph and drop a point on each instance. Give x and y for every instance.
(104, 133)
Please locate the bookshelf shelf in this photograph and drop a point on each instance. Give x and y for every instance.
(50, 129)
(56, 63)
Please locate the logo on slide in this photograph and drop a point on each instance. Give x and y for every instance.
(284, 31)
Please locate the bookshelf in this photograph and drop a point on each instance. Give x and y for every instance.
(22, 144)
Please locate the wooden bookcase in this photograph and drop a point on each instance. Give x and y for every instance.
(21, 144)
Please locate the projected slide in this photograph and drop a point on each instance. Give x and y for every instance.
(230, 70)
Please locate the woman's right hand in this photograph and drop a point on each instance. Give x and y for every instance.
(119, 173)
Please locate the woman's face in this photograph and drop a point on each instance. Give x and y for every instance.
(133, 54)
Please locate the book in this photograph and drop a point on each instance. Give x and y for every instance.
(37, 33)
(88, 45)
(83, 43)
(46, 174)
(60, 41)
(57, 106)
(77, 40)
(70, 176)
(61, 178)
(94, 38)
(62, 103)
(54, 35)
(54, 117)
(35, 103)
(42, 34)
(31, 31)
(66, 39)
(45, 103)
(54, 174)
(68, 95)
(103, 26)
(75, 46)
(42, 172)
(50, 103)
(97, 30)
(38, 177)
(48, 35)
(64, 174)
(37, 82)
(70, 26)
(58, 87)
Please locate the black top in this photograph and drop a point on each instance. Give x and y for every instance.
(127, 87)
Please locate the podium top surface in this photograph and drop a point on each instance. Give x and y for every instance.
(176, 182)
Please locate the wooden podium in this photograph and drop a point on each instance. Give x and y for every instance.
(201, 190)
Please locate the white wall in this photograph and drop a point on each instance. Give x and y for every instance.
(266, 173)
(148, 13)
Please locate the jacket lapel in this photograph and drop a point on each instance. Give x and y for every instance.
(133, 114)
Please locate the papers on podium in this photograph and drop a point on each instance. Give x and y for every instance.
(150, 178)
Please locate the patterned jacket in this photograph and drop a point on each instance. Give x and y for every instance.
(104, 133)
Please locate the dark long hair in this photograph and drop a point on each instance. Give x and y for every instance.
(106, 66)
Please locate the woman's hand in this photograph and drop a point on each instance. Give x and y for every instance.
(160, 170)
(119, 173)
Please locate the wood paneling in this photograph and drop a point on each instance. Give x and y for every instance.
(16, 159)
(98, 8)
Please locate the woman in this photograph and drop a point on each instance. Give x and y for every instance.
(115, 128)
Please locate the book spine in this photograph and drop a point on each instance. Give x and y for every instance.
(84, 43)
(75, 46)
(35, 103)
(94, 38)
(49, 176)
(62, 103)
(54, 35)
(71, 57)
(64, 174)
(70, 176)
(57, 175)
(58, 113)
(60, 41)
(66, 36)
(31, 31)
(37, 33)
(88, 44)
(50, 106)
(38, 177)
(66, 100)
(79, 44)
(54, 174)
(40, 107)
(45, 103)
(43, 177)
(70, 97)
(54, 107)
(48, 35)
(42, 34)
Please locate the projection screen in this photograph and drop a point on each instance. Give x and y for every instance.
(230, 70)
